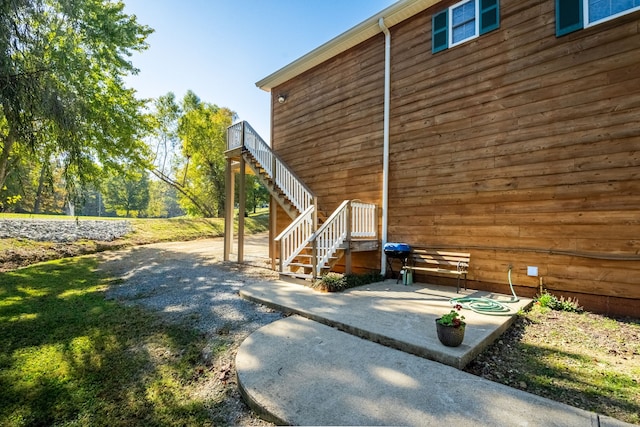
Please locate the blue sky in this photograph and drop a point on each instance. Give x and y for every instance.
(220, 48)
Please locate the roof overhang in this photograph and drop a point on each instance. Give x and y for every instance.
(392, 15)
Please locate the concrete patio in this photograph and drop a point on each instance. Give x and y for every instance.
(395, 315)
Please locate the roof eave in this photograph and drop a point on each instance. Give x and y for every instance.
(392, 15)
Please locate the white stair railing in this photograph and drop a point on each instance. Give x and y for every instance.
(242, 135)
(295, 237)
(330, 237)
(351, 220)
(364, 220)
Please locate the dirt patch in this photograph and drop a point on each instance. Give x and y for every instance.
(17, 253)
(585, 360)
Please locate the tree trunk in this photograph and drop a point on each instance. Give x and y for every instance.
(4, 157)
(38, 201)
(201, 206)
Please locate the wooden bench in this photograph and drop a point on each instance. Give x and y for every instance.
(440, 261)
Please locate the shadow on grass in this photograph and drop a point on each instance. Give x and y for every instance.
(577, 379)
(70, 356)
(557, 375)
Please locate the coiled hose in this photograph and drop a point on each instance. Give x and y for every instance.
(488, 306)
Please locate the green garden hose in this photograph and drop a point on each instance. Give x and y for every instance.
(487, 306)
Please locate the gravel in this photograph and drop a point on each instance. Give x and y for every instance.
(63, 230)
(181, 281)
(188, 282)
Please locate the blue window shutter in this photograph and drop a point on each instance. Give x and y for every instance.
(439, 31)
(489, 15)
(568, 16)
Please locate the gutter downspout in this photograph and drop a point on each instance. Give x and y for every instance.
(385, 151)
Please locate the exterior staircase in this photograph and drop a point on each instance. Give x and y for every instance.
(313, 243)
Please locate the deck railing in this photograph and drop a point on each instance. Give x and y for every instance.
(295, 237)
(242, 135)
(350, 219)
(364, 220)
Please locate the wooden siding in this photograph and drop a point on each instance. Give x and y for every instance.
(519, 147)
(329, 130)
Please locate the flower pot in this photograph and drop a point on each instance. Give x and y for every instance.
(451, 336)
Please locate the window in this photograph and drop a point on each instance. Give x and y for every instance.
(464, 21)
(603, 10)
(572, 15)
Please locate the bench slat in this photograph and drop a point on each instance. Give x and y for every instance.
(453, 264)
(443, 253)
(435, 270)
(440, 262)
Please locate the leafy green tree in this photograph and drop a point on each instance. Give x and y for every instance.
(190, 140)
(163, 200)
(91, 202)
(202, 130)
(256, 194)
(127, 195)
(36, 185)
(62, 64)
(164, 122)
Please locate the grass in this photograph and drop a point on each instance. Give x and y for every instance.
(71, 357)
(585, 360)
(16, 253)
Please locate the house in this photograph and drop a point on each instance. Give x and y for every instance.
(509, 129)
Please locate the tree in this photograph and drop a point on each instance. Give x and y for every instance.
(198, 161)
(163, 200)
(36, 185)
(256, 194)
(127, 195)
(62, 64)
(164, 123)
(203, 131)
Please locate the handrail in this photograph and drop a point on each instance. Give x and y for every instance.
(294, 238)
(234, 136)
(330, 236)
(351, 219)
(243, 135)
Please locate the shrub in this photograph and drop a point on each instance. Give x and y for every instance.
(336, 282)
(547, 300)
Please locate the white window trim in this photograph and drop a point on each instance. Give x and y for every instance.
(585, 12)
(450, 23)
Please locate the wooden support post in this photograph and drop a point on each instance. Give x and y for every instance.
(228, 211)
(241, 212)
(273, 224)
(347, 266)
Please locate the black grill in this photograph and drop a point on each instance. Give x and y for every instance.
(399, 251)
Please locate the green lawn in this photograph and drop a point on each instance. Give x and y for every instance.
(71, 357)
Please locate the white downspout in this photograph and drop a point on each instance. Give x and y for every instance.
(385, 150)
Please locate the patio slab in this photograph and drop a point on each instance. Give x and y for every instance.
(395, 315)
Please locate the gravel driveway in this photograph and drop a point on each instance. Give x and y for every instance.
(189, 282)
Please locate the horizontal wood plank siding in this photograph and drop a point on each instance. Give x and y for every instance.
(519, 147)
(329, 130)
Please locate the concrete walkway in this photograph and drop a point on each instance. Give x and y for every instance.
(302, 371)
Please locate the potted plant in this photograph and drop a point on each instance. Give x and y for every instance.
(450, 327)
